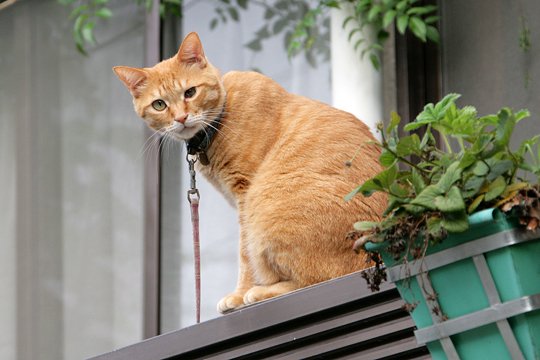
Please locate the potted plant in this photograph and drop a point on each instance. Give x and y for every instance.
(460, 237)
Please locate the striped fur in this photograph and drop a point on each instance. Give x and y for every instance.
(280, 159)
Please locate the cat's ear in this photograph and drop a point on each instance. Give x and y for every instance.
(191, 51)
(133, 78)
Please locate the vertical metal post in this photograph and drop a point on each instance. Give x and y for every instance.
(428, 293)
(152, 184)
(494, 299)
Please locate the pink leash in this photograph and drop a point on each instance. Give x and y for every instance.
(193, 198)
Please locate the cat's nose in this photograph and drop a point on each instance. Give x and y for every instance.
(181, 119)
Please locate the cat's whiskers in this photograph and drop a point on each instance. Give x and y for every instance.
(212, 114)
(170, 141)
(152, 143)
(208, 124)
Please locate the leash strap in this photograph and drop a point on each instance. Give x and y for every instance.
(193, 198)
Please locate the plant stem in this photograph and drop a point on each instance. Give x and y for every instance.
(446, 143)
(461, 144)
(406, 161)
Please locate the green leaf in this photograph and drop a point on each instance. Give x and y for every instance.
(527, 145)
(433, 113)
(506, 126)
(346, 21)
(495, 189)
(480, 168)
(372, 14)
(279, 25)
(213, 23)
(380, 182)
(365, 225)
(421, 10)
(366, 189)
(104, 13)
(174, 2)
(450, 202)
(393, 204)
(78, 10)
(414, 209)
(455, 222)
(148, 5)
(498, 167)
(387, 159)
(402, 23)
(427, 197)
(431, 19)
(450, 176)
(269, 13)
(388, 17)
(352, 33)
(375, 61)
(254, 45)
(263, 33)
(282, 5)
(402, 5)
(358, 43)
(395, 119)
(449, 100)
(522, 114)
(408, 145)
(418, 27)
(398, 191)
(473, 185)
(233, 13)
(417, 181)
(382, 36)
(433, 34)
(467, 160)
(434, 227)
(242, 3)
(386, 177)
(87, 32)
(332, 4)
(481, 143)
(79, 22)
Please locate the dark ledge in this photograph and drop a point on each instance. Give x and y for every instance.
(340, 318)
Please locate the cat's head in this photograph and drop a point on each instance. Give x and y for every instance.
(178, 96)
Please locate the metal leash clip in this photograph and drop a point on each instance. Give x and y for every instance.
(193, 193)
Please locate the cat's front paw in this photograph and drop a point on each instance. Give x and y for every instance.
(255, 294)
(230, 302)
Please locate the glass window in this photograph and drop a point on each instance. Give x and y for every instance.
(71, 188)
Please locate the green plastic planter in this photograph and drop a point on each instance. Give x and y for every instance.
(487, 282)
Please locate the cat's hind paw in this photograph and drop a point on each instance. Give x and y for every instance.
(230, 302)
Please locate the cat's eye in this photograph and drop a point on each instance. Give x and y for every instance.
(190, 92)
(159, 105)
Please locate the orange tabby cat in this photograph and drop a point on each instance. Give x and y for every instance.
(277, 157)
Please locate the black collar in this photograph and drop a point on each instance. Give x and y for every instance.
(199, 144)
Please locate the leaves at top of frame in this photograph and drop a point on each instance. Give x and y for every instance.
(242, 3)
(104, 13)
(418, 27)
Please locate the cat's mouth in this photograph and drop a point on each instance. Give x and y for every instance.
(179, 131)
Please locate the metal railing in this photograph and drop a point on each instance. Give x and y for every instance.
(340, 318)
